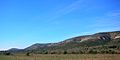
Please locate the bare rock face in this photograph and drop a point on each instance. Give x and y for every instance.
(103, 36)
(114, 34)
(116, 37)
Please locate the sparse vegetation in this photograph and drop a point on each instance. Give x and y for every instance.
(111, 47)
(63, 57)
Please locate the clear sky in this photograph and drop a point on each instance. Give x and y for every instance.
(25, 22)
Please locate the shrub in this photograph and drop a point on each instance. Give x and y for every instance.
(27, 54)
(65, 52)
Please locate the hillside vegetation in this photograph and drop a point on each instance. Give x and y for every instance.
(99, 43)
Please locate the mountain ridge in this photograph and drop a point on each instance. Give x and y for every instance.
(96, 39)
(102, 42)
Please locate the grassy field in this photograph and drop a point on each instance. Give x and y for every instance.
(63, 57)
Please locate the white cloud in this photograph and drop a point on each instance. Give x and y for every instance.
(65, 10)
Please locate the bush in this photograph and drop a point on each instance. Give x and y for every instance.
(8, 53)
(65, 52)
(93, 52)
(27, 54)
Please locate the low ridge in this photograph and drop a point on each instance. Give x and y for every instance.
(103, 42)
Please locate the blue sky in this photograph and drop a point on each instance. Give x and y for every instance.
(25, 22)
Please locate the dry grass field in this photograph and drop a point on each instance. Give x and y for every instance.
(63, 57)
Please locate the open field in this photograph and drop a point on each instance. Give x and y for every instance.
(63, 57)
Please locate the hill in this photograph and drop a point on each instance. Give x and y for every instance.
(103, 42)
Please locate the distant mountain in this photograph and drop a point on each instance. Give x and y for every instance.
(37, 45)
(103, 42)
(14, 50)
